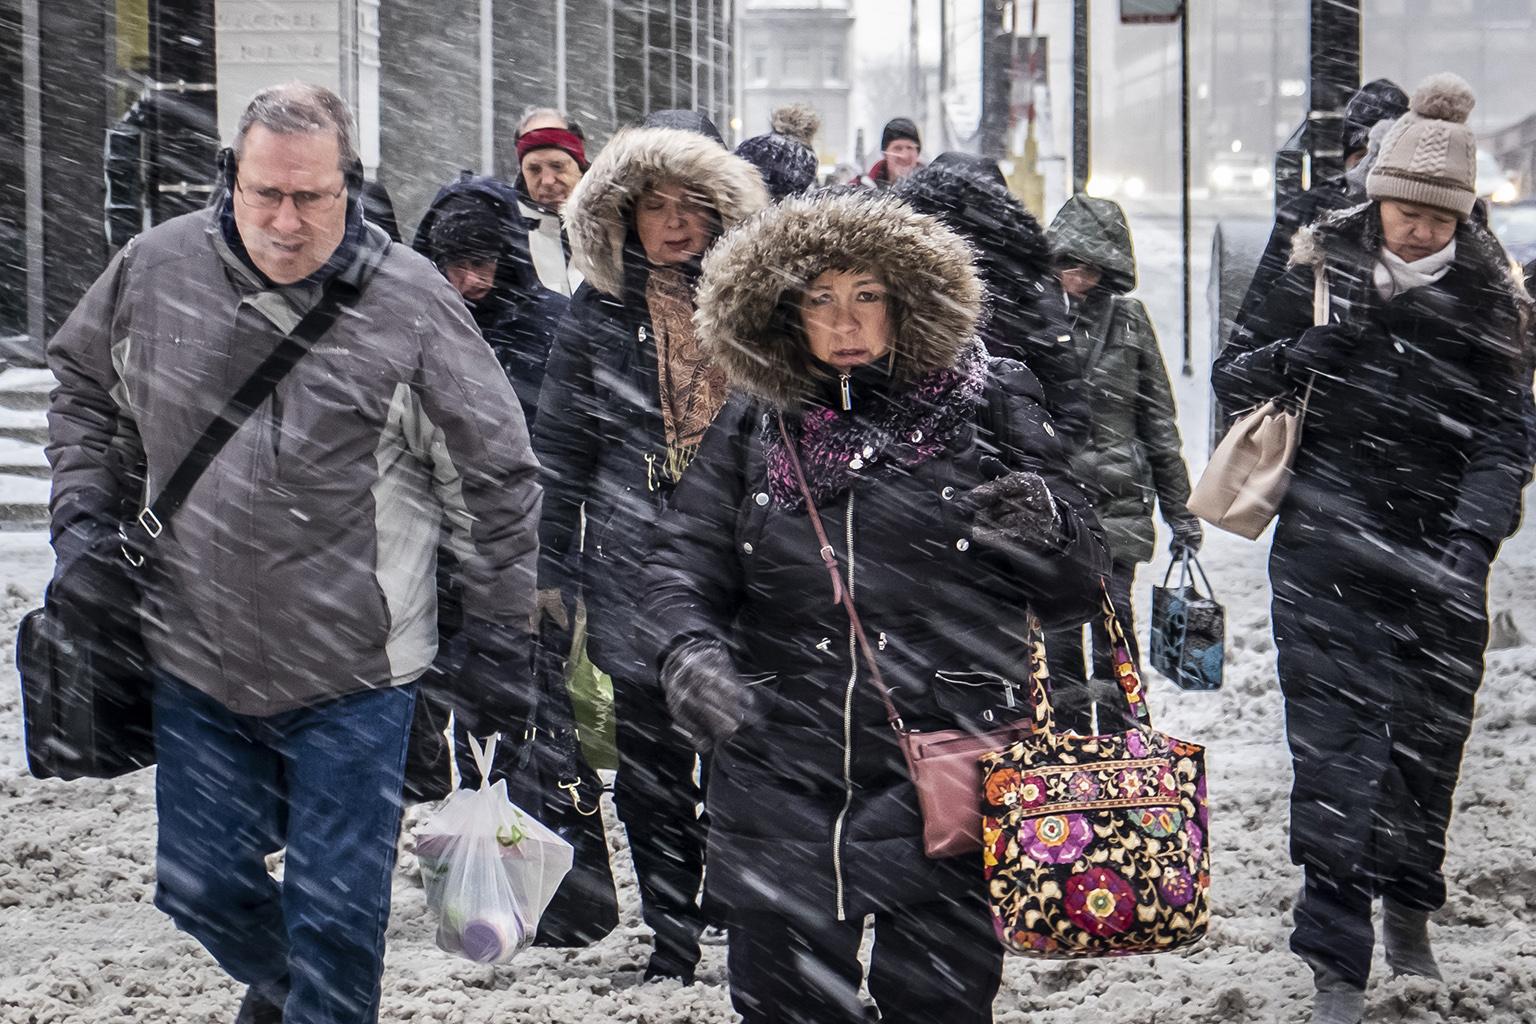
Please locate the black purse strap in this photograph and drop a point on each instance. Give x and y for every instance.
(258, 387)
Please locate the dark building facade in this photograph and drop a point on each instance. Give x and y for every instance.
(111, 112)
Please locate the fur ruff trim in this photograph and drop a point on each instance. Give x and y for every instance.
(926, 267)
(599, 214)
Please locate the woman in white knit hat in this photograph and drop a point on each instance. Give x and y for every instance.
(1408, 479)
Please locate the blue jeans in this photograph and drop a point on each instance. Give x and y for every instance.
(324, 781)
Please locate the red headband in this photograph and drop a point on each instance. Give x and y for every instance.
(552, 138)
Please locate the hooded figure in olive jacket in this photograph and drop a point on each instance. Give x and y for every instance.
(1134, 456)
(950, 508)
(1408, 478)
(626, 399)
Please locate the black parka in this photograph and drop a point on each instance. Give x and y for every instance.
(599, 434)
(812, 804)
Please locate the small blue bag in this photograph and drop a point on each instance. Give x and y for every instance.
(1189, 629)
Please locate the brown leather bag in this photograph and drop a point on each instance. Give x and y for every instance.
(944, 764)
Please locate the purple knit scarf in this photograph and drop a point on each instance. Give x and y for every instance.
(879, 436)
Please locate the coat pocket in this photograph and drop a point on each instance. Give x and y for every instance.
(979, 698)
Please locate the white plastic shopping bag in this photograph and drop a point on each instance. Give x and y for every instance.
(489, 868)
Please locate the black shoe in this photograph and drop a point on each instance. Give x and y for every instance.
(256, 1008)
(662, 968)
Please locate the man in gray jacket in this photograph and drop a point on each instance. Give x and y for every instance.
(291, 605)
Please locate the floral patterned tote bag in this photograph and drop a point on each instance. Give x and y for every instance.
(1096, 846)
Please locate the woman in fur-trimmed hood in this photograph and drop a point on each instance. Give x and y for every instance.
(627, 396)
(948, 504)
(1413, 455)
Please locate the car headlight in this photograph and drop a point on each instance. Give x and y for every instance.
(1505, 193)
(1221, 176)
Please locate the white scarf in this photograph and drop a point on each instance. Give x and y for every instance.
(546, 249)
(1394, 275)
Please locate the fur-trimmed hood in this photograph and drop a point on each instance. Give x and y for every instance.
(750, 272)
(599, 214)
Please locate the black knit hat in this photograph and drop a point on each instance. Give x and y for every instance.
(695, 121)
(1381, 100)
(785, 156)
(466, 231)
(899, 128)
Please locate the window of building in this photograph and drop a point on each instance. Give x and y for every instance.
(797, 64)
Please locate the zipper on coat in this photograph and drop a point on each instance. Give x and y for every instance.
(846, 392)
(853, 677)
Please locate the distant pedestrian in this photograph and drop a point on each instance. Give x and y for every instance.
(785, 156)
(1413, 456)
(901, 149)
(1367, 116)
(1134, 458)
(290, 608)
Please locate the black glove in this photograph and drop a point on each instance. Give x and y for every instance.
(1016, 509)
(92, 584)
(1322, 349)
(1187, 536)
(705, 693)
(492, 688)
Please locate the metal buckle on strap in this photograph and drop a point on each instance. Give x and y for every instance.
(151, 523)
(572, 789)
(137, 561)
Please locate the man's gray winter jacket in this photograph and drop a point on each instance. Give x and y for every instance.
(301, 567)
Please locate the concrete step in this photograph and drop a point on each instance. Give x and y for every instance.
(28, 425)
(23, 458)
(25, 388)
(23, 500)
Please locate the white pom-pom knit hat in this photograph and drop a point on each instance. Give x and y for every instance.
(1430, 155)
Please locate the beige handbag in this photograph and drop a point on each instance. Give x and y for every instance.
(1249, 472)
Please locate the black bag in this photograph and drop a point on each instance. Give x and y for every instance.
(1188, 630)
(86, 689)
(548, 777)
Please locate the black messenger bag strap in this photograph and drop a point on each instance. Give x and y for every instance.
(258, 387)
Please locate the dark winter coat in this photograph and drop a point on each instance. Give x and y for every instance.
(599, 434)
(1026, 317)
(1423, 434)
(1415, 447)
(300, 568)
(519, 317)
(812, 802)
(1135, 454)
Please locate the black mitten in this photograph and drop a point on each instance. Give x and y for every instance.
(705, 693)
(1322, 349)
(1016, 509)
(1187, 537)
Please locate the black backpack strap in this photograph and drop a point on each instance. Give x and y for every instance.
(258, 387)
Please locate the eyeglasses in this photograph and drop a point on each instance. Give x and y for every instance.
(304, 202)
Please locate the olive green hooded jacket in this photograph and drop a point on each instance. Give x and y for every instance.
(1134, 454)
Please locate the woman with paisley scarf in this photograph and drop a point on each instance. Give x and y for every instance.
(627, 397)
(845, 325)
